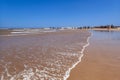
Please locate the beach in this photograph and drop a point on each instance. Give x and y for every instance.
(101, 60)
(40, 55)
(35, 54)
(59, 39)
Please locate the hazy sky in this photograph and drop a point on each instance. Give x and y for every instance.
(45, 13)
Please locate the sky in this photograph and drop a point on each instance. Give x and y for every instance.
(58, 13)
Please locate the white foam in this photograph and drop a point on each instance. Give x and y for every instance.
(30, 74)
(2, 77)
(19, 32)
(67, 74)
(6, 69)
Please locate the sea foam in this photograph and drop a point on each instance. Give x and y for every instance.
(67, 74)
(53, 59)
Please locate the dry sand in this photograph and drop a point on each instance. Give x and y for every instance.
(101, 61)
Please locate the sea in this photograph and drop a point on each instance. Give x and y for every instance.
(45, 56)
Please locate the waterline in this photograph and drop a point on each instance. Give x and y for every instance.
(73, 66)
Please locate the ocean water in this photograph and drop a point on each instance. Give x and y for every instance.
(107, 37)
(47, 56)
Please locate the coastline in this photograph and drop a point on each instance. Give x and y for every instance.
(100, 61)
(94, 61)
(67, 75)
(105, 29)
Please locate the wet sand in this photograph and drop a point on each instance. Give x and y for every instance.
(101, 60)
(5, 31)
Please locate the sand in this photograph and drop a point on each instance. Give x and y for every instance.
(5, 31)
(101, 61)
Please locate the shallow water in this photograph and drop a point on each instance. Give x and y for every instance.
(40, 57)
(107, 37)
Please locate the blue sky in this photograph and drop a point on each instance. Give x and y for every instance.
(46, 13)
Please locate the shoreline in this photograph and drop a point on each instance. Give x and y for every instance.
(100, 61)
(38, 31)
(105, 29)
(74, 65)
(87, 53)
